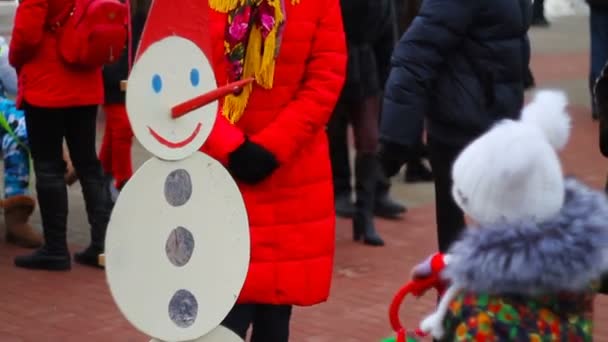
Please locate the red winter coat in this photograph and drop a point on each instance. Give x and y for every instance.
(44, 81)
(291, 213)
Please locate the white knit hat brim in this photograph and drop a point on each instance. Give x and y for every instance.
(513, 172)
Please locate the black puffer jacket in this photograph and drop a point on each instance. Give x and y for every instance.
(598, 3)
(600, 97)
(462, 64)
(114, 73)
(369, 33)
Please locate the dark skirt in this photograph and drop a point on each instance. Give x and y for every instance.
(362, 78)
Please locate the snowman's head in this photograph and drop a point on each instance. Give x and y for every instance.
(170, 72)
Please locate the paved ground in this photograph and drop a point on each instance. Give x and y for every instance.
(7, 11)
(76, 306)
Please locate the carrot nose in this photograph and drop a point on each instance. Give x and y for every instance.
(189, 105)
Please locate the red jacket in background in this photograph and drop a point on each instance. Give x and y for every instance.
(291, 214)
(44, 80)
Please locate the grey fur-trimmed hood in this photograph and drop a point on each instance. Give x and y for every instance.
(564, 253)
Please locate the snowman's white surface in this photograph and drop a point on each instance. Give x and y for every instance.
(168, 73)
(219, 334)
(177, 245)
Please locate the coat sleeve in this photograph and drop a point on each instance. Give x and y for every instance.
(309, 111)
(439, 28)
(28, 31)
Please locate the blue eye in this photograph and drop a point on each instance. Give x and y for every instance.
(157, 83)
(194, 77)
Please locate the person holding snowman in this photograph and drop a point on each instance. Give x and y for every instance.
(271, 137)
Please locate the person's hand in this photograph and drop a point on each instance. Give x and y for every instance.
(391, 157)
(251, 163)
(432, 265)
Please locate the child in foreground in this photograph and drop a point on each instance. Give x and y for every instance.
(530, 265)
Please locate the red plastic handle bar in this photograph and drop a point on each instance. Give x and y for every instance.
(416, 287)
(203, 100)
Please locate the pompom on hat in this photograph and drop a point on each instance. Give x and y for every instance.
(512, 172)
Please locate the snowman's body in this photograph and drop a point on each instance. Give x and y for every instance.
(177, 246)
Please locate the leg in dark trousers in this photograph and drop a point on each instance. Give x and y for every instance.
(80, 138)
(337, 129)
(384, 205)
(450, 218)
(270, 323)
(598, 24)
(364, 117)
(239, 319)
(46, 129)
(416, 171)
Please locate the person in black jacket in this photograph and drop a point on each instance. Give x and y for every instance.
(600, 103)
(416, 171)
(462, 64)
(598, 26)
(115, 152)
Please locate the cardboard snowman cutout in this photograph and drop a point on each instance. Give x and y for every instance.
(177, 245)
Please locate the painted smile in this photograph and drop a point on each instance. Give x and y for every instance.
(176, 144)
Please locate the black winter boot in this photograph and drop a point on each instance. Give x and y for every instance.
(344, 205)
(343, 191)
(417, 172)
(366, 172)
(98, 203)
(53, 202)
(385, 206)
(337, 129)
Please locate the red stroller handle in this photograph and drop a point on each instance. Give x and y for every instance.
(417, 287)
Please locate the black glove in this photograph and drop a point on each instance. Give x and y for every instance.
(251, 163)
(604, 284)
(392, 156)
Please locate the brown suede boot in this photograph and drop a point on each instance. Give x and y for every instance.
(17, 211)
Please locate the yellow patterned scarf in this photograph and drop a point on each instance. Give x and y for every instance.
(252, 41)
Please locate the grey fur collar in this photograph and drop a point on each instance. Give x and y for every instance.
(565, 253)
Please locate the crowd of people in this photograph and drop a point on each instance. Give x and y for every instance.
(418, 81)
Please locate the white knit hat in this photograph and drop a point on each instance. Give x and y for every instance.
(513, 172)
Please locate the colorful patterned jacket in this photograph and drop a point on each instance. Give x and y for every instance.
(531, 282)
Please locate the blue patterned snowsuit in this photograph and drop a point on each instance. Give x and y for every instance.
(15, 154)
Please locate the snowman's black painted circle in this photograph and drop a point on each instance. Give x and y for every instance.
(178, 187)
(183, 308)
(179, 246)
